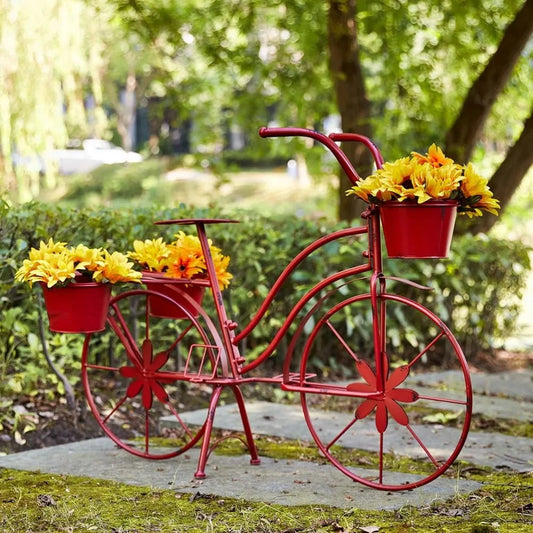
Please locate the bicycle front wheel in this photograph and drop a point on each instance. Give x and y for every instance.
(376, 408)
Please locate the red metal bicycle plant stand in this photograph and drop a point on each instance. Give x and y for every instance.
(156, 364)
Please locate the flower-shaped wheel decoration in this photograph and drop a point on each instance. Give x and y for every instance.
(385, 402)
(143, 378)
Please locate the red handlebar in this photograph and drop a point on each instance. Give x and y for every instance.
(329, 142)
(376, 154)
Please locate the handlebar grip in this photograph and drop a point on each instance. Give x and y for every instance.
(287, 132)
(356, 137)
(265, 132)
(319, 137)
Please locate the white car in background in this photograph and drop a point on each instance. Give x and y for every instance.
(79, 157)
(84, 156)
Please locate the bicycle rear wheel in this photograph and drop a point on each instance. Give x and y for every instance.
(394, 433)
(142, 372)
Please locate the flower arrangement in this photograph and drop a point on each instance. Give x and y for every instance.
(182, 258)
(56, 264)
(427, 177)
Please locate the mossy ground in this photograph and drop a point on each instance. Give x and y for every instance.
(36, 502)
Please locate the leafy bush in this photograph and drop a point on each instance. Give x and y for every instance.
(477, 290)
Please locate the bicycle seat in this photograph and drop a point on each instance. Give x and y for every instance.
(193, 221)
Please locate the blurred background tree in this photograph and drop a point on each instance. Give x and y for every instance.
(182, 76)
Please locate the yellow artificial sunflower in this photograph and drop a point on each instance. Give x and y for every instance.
(434, 156)
(54, 263)
(221, 263)
(398, 172)
(85, 257)
(182, 259)
(183, 264)
(475, 188)
(50, 269)
(115, 268)
(190, 244)
(45, 249)
(152, 254)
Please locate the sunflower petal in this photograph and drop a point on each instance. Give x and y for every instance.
(147, 396)
(382, 418)
(403, 395)
(159, 391)
(397, 377)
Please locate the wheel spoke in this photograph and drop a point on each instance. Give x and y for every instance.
(422, 445)
(381, 438)
(120, 327)
(426, 349)
(183, 425)
(146, 432)
(115, 409)
(103, 367)
(443, 400)
(342, 341)
(341, 433)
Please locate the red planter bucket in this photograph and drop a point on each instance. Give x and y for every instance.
(418, 231)
(162, 308)
(78, 307)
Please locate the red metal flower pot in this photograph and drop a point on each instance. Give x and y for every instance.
(418, 231)
(77, 307)
(163, 308)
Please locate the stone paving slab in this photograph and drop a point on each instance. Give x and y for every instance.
(481, 448)
(491, 406)
(273, 481)
(512, 384)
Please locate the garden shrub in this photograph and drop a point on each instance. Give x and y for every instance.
(477, 290)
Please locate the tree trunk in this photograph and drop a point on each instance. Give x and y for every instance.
(507, 178)
(352, 102)
(468, 126)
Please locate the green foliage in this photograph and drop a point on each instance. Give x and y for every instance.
(53, 53)
(477, 291)
(420, 58)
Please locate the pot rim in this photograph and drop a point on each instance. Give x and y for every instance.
(414, 203)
